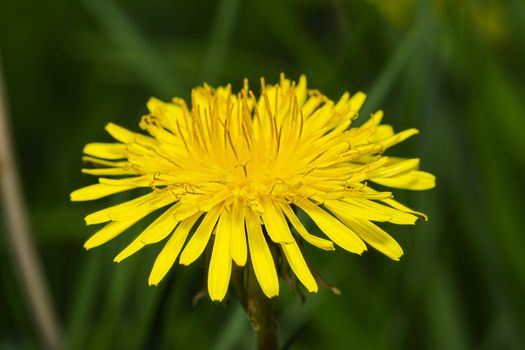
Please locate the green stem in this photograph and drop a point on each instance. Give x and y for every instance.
(260, 312)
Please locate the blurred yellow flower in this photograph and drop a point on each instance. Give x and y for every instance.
(240, 169)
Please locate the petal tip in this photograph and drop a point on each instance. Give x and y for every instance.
(216, 298)
(313, 289)
(73, 196)
(184, 262)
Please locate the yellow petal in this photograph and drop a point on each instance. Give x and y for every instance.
(120, 134)
(200, 238)
(370, 210)
(357, 100)
(295, 259)
(358, 193)
(97, 191)
(303, 232)
(300, 90)
(184, 210)
(108, 232)
(397, 138)
(105, 150)
(110, 171)
(148, 180)
(333, 228)
(375, 236)
(382, 132)
(106, 163)
(261, 256)
(127, 210)
(341, 105)
(171, 250)
(374, 120)
(206, 204)
(104, 215)
(130, 249)
(239, 251)
(276, 224)
(346, 208)
(414, 180)
(311, 104)
(221, 261)
(404, 208)
(395, 167)
(161, 227)
(168, 113)
(394, 204)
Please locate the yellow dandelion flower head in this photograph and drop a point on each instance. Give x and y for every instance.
(240, 170)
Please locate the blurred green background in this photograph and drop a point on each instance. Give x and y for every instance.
(453, 69)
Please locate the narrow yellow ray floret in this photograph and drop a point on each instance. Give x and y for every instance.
(234, 170)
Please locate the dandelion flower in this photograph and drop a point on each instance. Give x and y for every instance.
(240, 170)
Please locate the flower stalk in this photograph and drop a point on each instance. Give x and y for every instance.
(260, 313)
